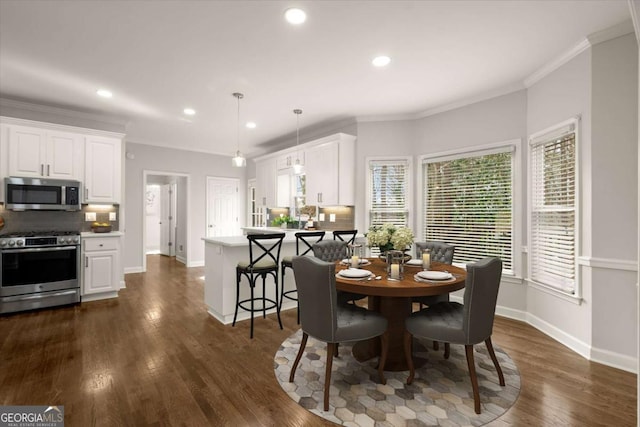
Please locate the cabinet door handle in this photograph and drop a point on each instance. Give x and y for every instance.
(264, 200)
(86, 193)
(41, 169)
(319, 197)
(86, 261)
(48, 170)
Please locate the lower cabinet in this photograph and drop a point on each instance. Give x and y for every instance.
(101, 272)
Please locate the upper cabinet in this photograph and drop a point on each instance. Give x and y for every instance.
(330, 178)
(38, 149)
(328, 167)
(266, 182)
(35, 152)
(102, 180)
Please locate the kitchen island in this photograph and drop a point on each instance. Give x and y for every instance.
(221, 255)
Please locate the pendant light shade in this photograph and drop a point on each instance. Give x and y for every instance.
(238, 160)
(297, 166)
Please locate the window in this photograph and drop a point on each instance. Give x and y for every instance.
(553, 209)
(388, 193)
(256, 212)
(468, 203)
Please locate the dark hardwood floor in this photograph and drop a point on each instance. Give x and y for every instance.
(154, 357)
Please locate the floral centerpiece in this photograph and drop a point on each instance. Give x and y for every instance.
(387, 237)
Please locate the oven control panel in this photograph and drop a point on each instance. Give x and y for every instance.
(19, 242)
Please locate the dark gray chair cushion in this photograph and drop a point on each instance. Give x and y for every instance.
(440, 251)
(330, 250)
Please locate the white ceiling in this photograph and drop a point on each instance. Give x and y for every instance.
(161, 56)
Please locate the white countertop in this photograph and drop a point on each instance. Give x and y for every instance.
(89, 234)
(241, 240)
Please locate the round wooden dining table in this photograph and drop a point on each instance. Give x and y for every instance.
(392, 298)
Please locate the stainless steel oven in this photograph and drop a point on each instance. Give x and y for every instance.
(39, 270)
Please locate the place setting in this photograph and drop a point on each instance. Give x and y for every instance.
(428, 276)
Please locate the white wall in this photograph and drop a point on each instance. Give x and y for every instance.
(563, 94)
(198, 166)
(614, 174)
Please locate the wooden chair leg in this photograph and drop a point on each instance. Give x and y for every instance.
(474, 379)
(447, 350)
(384, 342)
(327, 375)
(495, 360)
(303, 344)
(409, 356)
(436, 345)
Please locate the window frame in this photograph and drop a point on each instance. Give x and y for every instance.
(535, 139)
(513, 145)
(409, 175)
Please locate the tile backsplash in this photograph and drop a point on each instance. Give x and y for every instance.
(15, 221)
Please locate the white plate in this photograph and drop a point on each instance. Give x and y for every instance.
(415, 262)
(362, 261)
(354, 273)
(434, 275)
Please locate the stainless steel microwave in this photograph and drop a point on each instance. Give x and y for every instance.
(41, 194)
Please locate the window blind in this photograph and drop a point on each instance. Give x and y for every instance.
(553, 212)
(468, 203)
(388, 191)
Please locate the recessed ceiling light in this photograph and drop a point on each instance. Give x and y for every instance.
(295, 16)
(381, 61)
(251, 125)
(189, 111)
(104, 93)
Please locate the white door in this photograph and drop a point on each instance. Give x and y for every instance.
(166, 219)
(222, 207)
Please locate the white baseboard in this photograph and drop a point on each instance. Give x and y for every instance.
(245, 315)
(559, 335)
(123, 284)
(615, 360)
(129, 270)
(183, 260)
(97, 297)
(606, 357)
(196, 264)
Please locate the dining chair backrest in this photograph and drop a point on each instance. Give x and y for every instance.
(306, 240)
(480, 296)
(264, 249)
(440, 251)
(330, 250)
(348, 236)
(317, 297)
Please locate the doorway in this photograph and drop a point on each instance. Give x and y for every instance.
(223, 216)
(165, 216)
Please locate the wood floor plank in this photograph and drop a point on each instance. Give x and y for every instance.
(154, 357)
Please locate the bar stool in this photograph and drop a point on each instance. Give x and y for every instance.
(304, 242)
(348, 236)
(264, 258)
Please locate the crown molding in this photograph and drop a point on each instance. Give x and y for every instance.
(619, 30)
(556, 63)
(49, 109)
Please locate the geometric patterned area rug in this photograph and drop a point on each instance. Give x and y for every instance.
(439, 395)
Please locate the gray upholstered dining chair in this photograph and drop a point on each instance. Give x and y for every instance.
(322, 318)
(304, 245)
(332, 251)
(468, 324)
(440, 252)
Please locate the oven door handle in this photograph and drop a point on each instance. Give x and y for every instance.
(55, 248)
(47, 295)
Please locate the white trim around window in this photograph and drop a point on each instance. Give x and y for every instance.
(514, 146)
(546, 136)
(408, 160)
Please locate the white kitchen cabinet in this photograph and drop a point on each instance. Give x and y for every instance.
(266, 182)
(35, 152)
(284, 193)
(287, 160)
(329, 169)
(103, 172)
(101, 273)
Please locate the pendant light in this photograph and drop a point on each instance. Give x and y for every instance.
(238, 160)
(297, 166)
